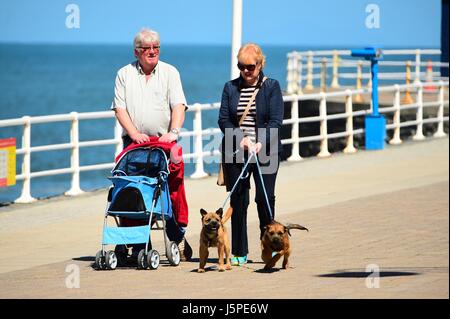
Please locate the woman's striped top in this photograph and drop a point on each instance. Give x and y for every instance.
(249, 123)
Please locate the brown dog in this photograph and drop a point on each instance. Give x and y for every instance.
(214, 234)
(276, 239)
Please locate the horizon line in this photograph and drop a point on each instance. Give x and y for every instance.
(342, 46)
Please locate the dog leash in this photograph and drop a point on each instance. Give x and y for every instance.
(264, 187)
(252, 154)
(238, 179)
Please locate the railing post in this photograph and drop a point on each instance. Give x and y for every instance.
(350, 148)
(323, 76)
(295, 155)
(26, 197)
(290, 73)
(299, 73)
(358, 97)
(396, 120)
(323, 127)
(118, 137)
(198, 144)
(335, 81)
(294, 73)
(417, 77)
(419, 115)
(309, 77)
(369, 82)
(75, 157)
(440, 129)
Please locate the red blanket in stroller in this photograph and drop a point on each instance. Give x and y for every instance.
(176, 176)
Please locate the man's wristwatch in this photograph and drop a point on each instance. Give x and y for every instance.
(175, 131)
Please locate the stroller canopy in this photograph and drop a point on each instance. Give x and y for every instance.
(142, 161)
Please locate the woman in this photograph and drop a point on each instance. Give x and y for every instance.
(257, 132)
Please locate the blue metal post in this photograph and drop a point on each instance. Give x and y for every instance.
(374, 68)
(375, 123)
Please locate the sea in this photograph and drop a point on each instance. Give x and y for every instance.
(46, 79)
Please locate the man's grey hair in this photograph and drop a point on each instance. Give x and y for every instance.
(145, 35)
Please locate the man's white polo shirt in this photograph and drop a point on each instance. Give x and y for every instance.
(149, 103)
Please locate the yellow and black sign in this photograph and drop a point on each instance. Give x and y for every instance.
(7, 162)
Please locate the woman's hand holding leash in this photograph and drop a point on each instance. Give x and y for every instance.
(257, 147)
(247, 144)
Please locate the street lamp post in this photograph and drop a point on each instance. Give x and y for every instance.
(236, 36)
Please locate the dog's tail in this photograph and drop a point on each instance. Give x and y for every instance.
(227, 215)
(295, 226)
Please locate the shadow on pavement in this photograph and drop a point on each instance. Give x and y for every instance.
(270, 271)
(84, 258)
(364, 274)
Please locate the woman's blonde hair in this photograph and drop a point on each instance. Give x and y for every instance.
(252, 49)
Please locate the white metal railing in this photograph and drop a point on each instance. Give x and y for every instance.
(198, 132)
(26, 149)
(306, 66)
(349, 114)
(297, 63)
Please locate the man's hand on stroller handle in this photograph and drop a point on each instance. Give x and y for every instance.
(168, 137)
(139, 138)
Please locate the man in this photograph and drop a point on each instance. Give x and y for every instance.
(149, 101)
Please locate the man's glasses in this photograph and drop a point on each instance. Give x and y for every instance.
(154, 47)
(248, 67)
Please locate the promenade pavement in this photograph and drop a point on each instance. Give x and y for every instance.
(373, 212)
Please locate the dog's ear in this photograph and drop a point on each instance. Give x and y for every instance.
(203, 212)
(219, 212)
(296, 226)
(287, 230)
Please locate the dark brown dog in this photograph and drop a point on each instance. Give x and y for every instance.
(214, 234)
(276, 239)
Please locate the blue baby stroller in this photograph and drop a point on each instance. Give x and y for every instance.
(140, 192)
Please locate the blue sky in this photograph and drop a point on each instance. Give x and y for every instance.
(328, 23)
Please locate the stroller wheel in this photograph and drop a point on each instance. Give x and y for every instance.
(153, 259)
(122, 254)
(173, 254)
(111, 260)
(100, 261)
(142, 260)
